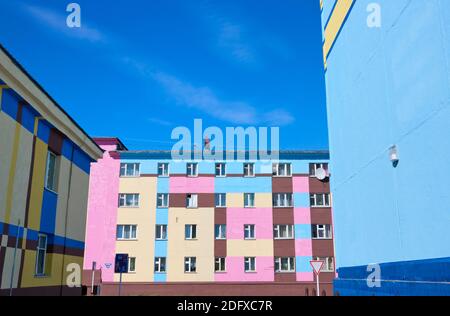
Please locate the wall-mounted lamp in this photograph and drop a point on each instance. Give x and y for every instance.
(393, 155)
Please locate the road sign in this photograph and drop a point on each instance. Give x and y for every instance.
(121, 263)
(317, 265)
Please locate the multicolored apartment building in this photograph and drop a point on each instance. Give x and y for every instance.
(45, 161)
(209, 227)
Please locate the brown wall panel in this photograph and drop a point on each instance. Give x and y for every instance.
(285, 277)
(282, 185)
(284, 248)
(323, 248)
(55, 141)
(220, 248)
(220, 215)
(283, 216)
(321, 215)
(317, 186)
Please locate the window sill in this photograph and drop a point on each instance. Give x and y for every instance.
(290, 238)
(128, 177)
(51, 191)
(160, 273)
(220, 272)
(127, 240)
(41, 276)
(251, 272)
(284, 272)
(129, 207)
(322, 238)
(161, 239)
(249, 239)
(192, 239)
(321, 206)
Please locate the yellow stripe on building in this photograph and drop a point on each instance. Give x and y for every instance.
(12, 172)
(37, 185)
(336, 22)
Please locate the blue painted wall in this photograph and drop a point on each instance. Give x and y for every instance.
(385, 86)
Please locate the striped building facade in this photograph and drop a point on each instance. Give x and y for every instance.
(209, 227)
(44, 176)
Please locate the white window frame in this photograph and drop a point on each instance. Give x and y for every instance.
(276, 168)
(326, 197)
(281, 200)
(129, 264)
(251, 262)
(123, 200)
(54, 176)
(322, 228)
(123, 232)
(249, 166)
(222, 232)
(316, 166)
(289, 229)
(162, 230)
(290, 263)
(251, 229)
(192, 200)
(223, 169)
(248, 199)
(165, 169)
(217, 197)
(124, 167)
(192, 166)
(39, 251)
(164, 198)
(158, 265)
(191, 235)
(189, 261)
(222, 262)
(328, 261)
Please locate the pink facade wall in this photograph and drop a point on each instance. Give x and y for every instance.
(102, 214)
(305, 276)
(191, 184)
(236, 272)
(262, 218)
(302, 215)
(300, 184)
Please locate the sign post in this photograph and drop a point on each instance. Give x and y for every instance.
(121, 266)
(317, 267)
(94, 266)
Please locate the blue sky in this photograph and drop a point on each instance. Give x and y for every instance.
(137, 69)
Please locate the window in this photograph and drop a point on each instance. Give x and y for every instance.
(161, 232)
(282, 169)
(328, 265)
(320, 200)
(220, 264)
(129, 170)
(220, 170)
(192, 169)
(283, 231)
(250, 264)
(41, 252)
(190, 264)
(50, 173)
(190, 232)
(282, 200)
(249, 169)
(285, 264)
(128, 200)
(160, 265)
(162, 200)
(314, 166)
(249, 231)
(192, 201)
(221, 199)
(163, 169)
(126, 232)
(249, 200)
(321, 231)
(220, 231)
(131, 265)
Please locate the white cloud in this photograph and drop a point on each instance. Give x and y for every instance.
(206, 101)
(57, 21)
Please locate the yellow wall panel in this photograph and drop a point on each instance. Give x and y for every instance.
(250, 248)
(40, 159)
(202, 248)
(7, 129)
